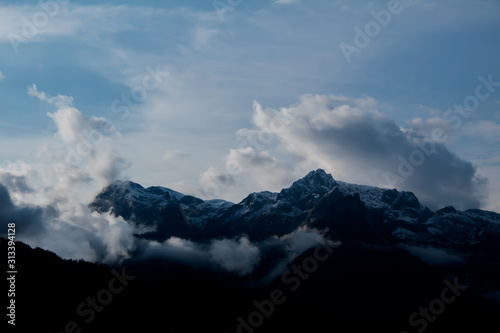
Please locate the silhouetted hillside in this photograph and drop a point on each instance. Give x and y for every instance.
(353, 289)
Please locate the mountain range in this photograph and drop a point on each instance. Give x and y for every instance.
(393, 216)
(341, 257)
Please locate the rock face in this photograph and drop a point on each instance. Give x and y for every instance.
(358, 212)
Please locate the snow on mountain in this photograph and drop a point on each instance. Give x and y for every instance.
(264, 214)
(147, 206)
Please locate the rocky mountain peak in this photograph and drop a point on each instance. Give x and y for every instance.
(311, 187)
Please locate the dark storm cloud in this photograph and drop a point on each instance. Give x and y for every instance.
(28, 219)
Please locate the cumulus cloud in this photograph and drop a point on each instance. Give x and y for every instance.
(16, 183)
(86, 143)
(355, 142)
(238, 256)
(47, 199)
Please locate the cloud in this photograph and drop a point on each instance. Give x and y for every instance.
(176, 250)
(235, 256)
(355, 142)
(61, 101)
(427, 126)
(1, 76)
(239, 256)
(47, 198)
(286, 2)
(492, 173)
(174, 155)
(29, 218)
(485, 129)
(87, 148)
(16, 183)
(202, 36)
(212, 181)
(434, 256)
(302, 239)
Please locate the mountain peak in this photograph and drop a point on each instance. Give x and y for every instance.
(126, 184)
(317, 178)
(309, 188)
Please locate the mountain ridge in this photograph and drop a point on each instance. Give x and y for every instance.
(264, 214)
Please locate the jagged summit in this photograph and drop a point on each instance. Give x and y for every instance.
(317, 179)
(309, 188)
(131, 188)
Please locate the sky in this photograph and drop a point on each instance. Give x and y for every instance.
(218, 99)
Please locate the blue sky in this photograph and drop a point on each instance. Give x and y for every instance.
(224, 73)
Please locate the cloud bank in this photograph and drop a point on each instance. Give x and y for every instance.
(355, 142)
(47, 198)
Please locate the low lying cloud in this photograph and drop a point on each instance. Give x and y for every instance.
(174, 249)
(239, 256)
(434, 256)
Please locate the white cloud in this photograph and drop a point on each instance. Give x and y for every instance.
(69, 171)
(174, 249)
(356, 143)
(1, 76)
(491, 171)
(302, 239)
(426, 127)
(239, 257)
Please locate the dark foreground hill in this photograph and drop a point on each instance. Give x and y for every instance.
(352, 290)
